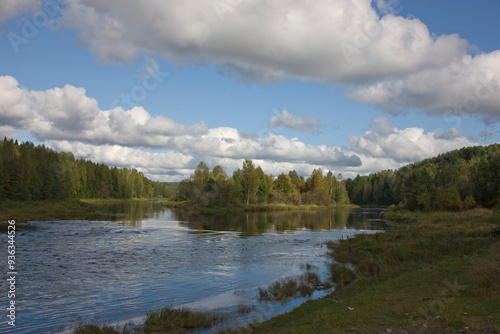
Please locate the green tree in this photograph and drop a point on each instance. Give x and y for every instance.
(199, 182)
(283, 185)
(342, 196)
(318, 188)
(29, 172)
(264, 186)
(332, 184)
(297, 181)
(250, 181)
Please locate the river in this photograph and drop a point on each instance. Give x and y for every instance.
(132, 258)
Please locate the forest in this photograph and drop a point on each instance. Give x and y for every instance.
(29, 172)
(250, 185)
(453, 181)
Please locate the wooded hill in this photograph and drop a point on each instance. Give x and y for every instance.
(457, 180)
(29, 172)
(250, 185)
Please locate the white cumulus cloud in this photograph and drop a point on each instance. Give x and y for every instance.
(163, 166)
(67, 115)
(406, 145)
(13, 8)
(264, 40)
(296, 122)
(467, 86)
(379, 57)
(15, 102)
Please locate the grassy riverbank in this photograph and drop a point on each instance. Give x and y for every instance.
(437, 273)
(22, 211)
(41, 210)
(186, 205)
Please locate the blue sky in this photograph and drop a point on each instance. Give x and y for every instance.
(349, 86)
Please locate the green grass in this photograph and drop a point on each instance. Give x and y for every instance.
(97, 201)
(22, 211)
(437, 273)
(128, 328)
(187, 205)
(166, 320)
(281, 291)
(95, 329)
(42, 210)
(179, 320)
(341, 275)
(289, 288)
(290, 207)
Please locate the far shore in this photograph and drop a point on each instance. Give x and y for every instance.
(24, 211)
(253, 207)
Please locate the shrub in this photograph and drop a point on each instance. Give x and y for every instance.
(179, 319)
(341, 275)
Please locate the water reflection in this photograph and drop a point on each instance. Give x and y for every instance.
(130, 258)
(131, 212)
(247, 223)
(252, 223)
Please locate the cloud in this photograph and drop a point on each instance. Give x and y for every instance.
(296, 122)
(62, 112)
(12, 8)
(304, 39)
(467, 86)
(377, 56)
(229, 142)
(486, 134)
(385, 147)
(406, 145)
(172, 166)
(15, 103)
(387, 6)
(370, 165)
(71, 121)
(69, 114)
(6, 131)
(163, 166)
(65, 115)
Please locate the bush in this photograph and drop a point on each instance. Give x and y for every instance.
(469, 202)
(341, 275)
(179, 320)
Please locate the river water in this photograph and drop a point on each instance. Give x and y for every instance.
(129, 259)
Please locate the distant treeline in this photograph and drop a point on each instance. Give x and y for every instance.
(250, 185)
(457, 180)
(29, 172)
